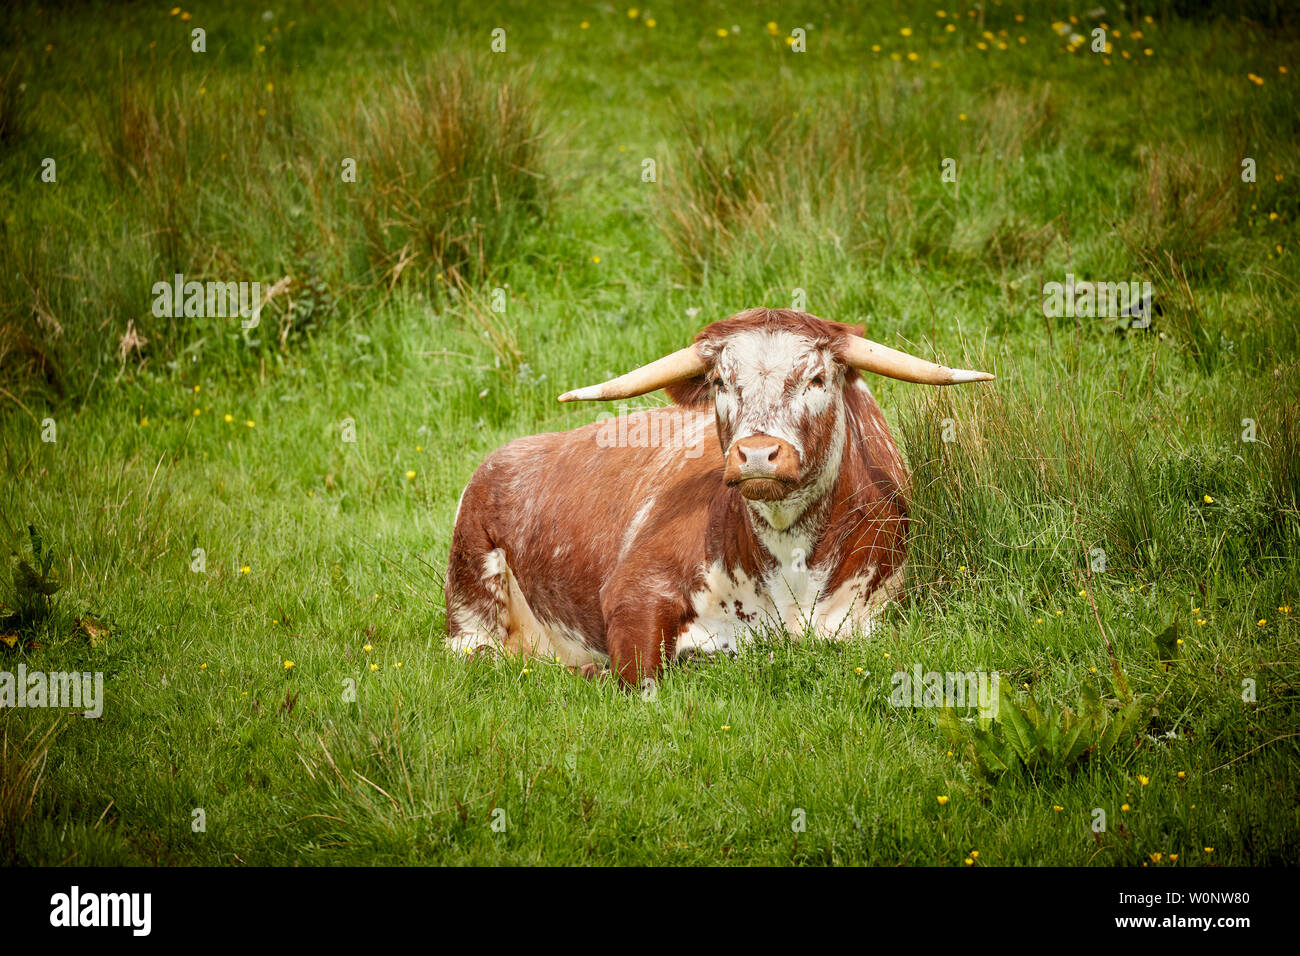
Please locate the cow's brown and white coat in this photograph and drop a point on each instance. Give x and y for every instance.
(794, 516)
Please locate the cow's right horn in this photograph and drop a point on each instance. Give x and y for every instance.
(871, 356)
(676, 367)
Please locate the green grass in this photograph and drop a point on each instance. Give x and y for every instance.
(775, 172)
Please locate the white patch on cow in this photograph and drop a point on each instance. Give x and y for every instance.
(494, 563)
(857, 603)
(792, 594)
(483, 627)
(471, 632)
(729, 610)
(570, 648)
(459, 502)
(717, 626)
(778, 514)
(629, 536)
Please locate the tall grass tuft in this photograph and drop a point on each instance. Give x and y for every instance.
(1282, 443)
(22, 768)
(154, 152)
(456, 173)
(219, 183)
(1182, 207)
(861, 177)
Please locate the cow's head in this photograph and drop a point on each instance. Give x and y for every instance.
(776, 380)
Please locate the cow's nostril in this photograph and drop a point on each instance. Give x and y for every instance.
(775, 451)
(741, 452)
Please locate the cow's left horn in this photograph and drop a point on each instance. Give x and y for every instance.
(680, 365)
(873, 357)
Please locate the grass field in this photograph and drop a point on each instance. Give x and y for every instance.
(264, 596)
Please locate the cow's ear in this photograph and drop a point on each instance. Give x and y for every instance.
(692, 393)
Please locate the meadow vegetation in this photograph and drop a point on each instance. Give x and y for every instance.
(264, 597)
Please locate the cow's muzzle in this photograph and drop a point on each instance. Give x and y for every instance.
(762, 467)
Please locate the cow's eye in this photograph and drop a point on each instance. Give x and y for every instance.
(717, 381)
(817, 380)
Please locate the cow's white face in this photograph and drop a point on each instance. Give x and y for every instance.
(780, 413)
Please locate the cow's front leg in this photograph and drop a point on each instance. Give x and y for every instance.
(640, 639)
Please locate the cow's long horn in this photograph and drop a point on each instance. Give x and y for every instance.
(680, 365)
(873, 357)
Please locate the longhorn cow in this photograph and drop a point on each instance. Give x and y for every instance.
(771, 493)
